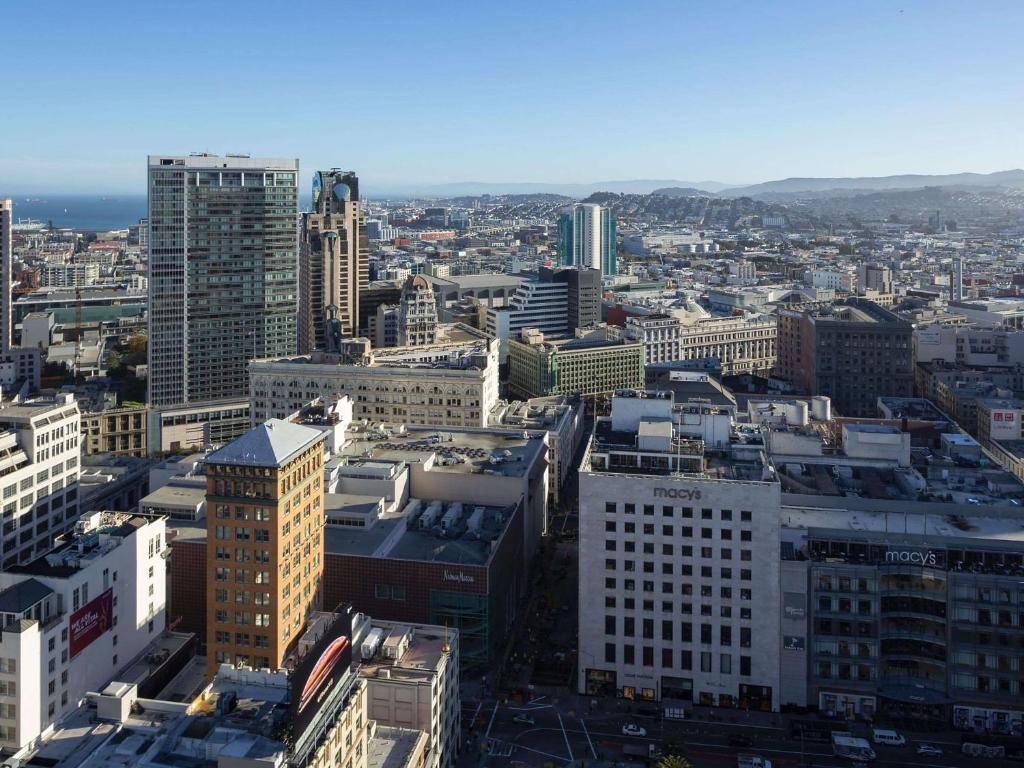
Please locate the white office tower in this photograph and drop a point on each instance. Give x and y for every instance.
(39, 444)
(535, 304)
(679, 555)
(76, 617)
(6, 257)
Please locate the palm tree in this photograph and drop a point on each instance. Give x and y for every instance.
(673, 761)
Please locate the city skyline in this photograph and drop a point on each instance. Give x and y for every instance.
(687, 93)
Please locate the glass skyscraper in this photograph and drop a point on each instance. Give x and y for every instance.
(223, 255)
(587, 238)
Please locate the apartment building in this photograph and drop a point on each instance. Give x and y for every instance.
(681, 548)
(40, 440)
(75, 617)
(6, 275)
(265, 551)
(68, 275)
(223, 249)
(741, 344)
(451, 383)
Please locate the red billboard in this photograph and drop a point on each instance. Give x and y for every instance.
(90, 621)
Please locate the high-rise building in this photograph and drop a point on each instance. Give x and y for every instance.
(333, 262)
(6, 268)
(265, 548)
(222, 252)
(587, 238)
(853, 352)
(679, 547)
(417, 313)
(583, 294)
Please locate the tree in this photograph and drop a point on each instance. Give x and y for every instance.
(113, 361)
(673, 761)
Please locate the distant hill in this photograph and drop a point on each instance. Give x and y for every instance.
(1013, 178)
(476, 188)
(682, 192)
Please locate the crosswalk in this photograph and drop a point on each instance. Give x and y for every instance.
(499, 748)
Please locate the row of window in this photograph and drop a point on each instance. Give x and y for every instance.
(669, 660)
(706, 513)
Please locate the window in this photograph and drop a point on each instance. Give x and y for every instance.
(725, 663)
(609, 653)
(628, 653)
(705, 634)
(745, 516)
(705, 661)
(745, 665)
(609, 625)
(609, 507)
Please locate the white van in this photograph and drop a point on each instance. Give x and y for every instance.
(890, 738)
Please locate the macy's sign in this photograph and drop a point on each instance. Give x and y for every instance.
(912, 557)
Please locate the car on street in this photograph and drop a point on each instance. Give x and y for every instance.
(738, 740)
(929, 750)
(524, 720)
(632, 729)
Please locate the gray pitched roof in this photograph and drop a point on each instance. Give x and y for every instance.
(269, 445)
(22, 596)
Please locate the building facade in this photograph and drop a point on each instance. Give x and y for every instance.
(587, 238)
(918, 626)
(585, 366)
(41, 442)
(117, 431)
(534, 304)
(74, 618)
(265, 549)
(6, 274)
(683, 560)
(853, 352)
(740, 344)
(333, 262)
(412, 681)
(222, 272)
(446, 384)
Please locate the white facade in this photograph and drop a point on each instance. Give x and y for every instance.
(683, 569)
(39, 441)
(6, 274)
(440, 385)
(824, 278)
(412, 681)
(68, 275)
(742, 345)
(535, 304)
(40, 681)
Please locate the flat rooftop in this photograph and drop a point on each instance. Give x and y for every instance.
(462, 452)
(466, 539)
(392, 747)
(176, 496)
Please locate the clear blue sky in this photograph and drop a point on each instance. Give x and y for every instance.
(433, 92)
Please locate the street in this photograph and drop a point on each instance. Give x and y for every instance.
(559, 735)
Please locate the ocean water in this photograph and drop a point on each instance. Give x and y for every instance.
(88, 212)
(83, 212)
